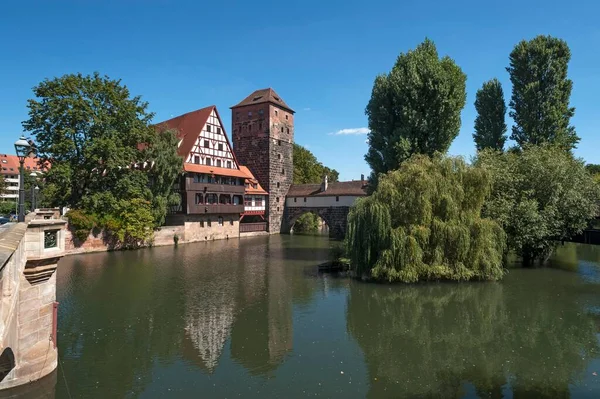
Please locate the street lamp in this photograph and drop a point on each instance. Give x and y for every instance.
(33, 191)
(35, 195)
(22, 148)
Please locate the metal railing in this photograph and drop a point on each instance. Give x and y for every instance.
(252, 227)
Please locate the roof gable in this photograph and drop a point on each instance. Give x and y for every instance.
(264, 96)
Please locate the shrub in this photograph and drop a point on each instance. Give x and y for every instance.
(81, 223)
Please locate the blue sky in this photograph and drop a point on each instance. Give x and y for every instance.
(320, 56)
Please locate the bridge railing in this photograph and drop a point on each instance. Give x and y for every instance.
(253, 227)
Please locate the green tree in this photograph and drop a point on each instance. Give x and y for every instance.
(165, 167)
(104, 153)
(541, 92)
(593, 168)
(423, 223)
(490, 127)
(308, 170)
(414, 109)
(540, 195)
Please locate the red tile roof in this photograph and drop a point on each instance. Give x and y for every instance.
(9, 164)
(252, 180)
(188, 128)
(264, 96)
(350, 188)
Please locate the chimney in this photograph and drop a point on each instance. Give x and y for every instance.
(324, 184)
(362, 177)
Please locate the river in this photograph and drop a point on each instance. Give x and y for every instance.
(252, 318)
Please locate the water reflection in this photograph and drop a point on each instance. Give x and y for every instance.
(528, 333)
(252, 318)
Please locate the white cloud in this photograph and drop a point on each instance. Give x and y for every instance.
(352, 131)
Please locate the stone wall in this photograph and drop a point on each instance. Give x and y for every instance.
(335, 217)
(29, 254)
(267, 152)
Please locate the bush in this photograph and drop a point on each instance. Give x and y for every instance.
(6, 207)
(423, 223)
(81, 223)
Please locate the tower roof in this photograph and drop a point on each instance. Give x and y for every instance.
(264, 96)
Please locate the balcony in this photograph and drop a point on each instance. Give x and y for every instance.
(253, 227)
(212, 188)
(207, 209)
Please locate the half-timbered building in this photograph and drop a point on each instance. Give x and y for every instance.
(216, 191)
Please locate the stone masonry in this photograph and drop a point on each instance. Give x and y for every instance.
(336, 218)
(263, 140)
(29, 253)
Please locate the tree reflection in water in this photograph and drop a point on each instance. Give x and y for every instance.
(528, 333)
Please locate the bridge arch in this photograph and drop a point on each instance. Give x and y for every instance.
(334, 217)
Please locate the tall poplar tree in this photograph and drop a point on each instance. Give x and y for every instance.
(490, 127)
(415, 108)
(541, 92)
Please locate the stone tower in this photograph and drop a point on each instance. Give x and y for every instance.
(263, 140)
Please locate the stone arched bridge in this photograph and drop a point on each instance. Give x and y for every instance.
(331, 202)
(335, 217)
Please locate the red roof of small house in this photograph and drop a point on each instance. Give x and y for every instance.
(264, 96)
(357, 188)
(252, 180)
(9, 164)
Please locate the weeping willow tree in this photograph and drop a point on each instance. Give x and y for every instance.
(424, 223)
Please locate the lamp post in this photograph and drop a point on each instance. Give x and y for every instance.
(33, 191)
(22, 148)
(36, 190)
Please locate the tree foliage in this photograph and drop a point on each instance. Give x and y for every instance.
(490, 127)
(423, 223)
(541, 92)
(540, 194)
(104, 153)
(414, 109)
(307, 169)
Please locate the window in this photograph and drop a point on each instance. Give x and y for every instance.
(277, 199)
(201, 223)
(278, 184)
(277, 209)
(220, 220)
(50, 239)
(295, 199)
(278, 156)
(218, 130)
(278, 142)
(247, 201)
(206, 144)
(304, 199)
(208, 128)
(281, 129)
(249, 127)
(196, 159)
(208, 161)
(229, 164)
(237, 116)
(275, 112)
(219, 163)
(282, 171)
(220, 146)
(260, 126)
(231, 222)
(288, 130)
(249, 114)
(255, 185)
(337, 198)
(208, 223)
(286, 116)
(211, 199)
(260, 111)
(199, 198)
(258, 201)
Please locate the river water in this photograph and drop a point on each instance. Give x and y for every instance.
(253, 318)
